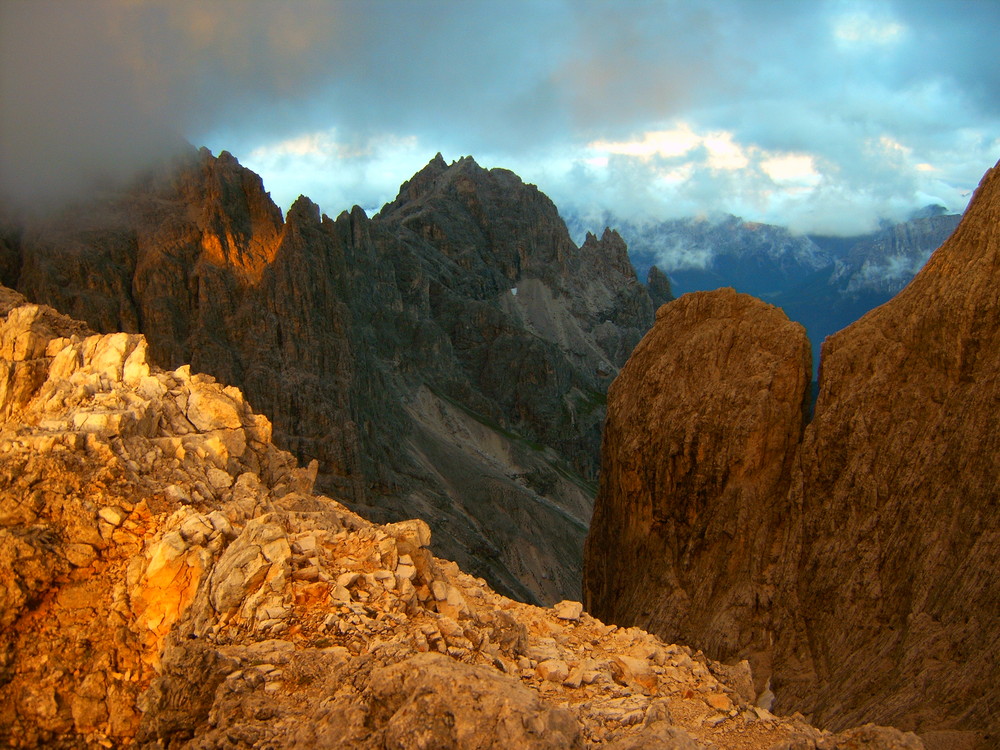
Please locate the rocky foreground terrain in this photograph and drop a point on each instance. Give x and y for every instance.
(852, 558)
(447, 359)
(170, 579)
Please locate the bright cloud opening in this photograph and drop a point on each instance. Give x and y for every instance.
(862, 28)
(724, 153)
(676, 142)
(797, 169)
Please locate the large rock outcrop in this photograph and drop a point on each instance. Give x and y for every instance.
(170, 579)
(897, 495)
(702, 428)
(448, 358)
(884, 607)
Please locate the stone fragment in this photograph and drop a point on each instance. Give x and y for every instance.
(113, 515)
(718, 701)
(220, 523)
(409, 535)
(109, 354)
(554, 670)
(568, 610)
(763, 714)
(209, 409)
(196, 529)
(440, 590)
(80, 555)
(307, 573)
(628, 670)
(348, 579)
(136, 367)
(219, 479)
(407, 572)
(574, 679)
(305, 544)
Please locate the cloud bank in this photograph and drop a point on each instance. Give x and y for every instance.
(825, 116)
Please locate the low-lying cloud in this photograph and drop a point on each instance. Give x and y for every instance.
(818, 115)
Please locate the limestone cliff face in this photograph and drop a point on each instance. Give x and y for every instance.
(882, 525)
(169, 578)
(538, 326)
(448, 358)
(898, 493)
(703, 423)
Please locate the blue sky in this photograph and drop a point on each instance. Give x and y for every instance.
(824, 116)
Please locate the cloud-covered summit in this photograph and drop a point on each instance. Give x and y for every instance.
(825, 116)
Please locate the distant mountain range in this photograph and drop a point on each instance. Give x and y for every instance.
(824, 283)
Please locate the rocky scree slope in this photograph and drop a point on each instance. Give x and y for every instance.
(851, 562)
(170, 579)
(448, 358)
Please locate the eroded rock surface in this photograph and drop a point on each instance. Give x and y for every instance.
(703, 424)
(447, 359)
(171, 580)
(862, 558)
(898, 499)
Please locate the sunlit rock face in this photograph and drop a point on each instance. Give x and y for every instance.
(869, 545)
(169, 578)
(392, 350)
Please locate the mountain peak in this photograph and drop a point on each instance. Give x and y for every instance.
(303, 207)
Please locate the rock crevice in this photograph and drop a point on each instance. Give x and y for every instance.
(844, 560)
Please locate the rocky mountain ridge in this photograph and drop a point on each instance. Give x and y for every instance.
(849, 559)
(824, 283)
(171, 579)
(447, 358)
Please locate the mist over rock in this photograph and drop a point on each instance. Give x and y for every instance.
(447, 358)
(878, 537)
(707, 252)
(865, 272)
(824, 283)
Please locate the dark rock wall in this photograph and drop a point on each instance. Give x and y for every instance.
(898, 498)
